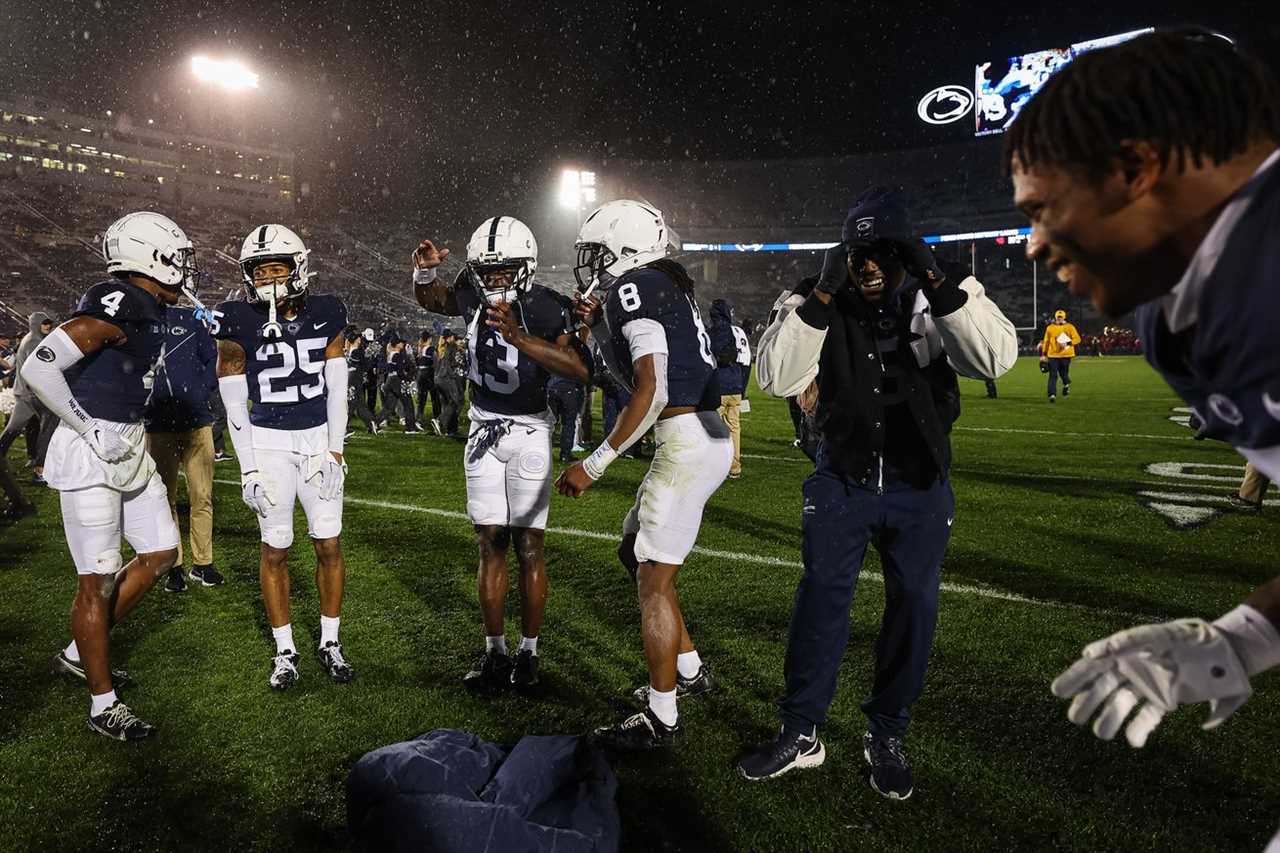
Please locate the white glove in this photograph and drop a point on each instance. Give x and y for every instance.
(253, 491)
(1167, 665)
(332, 474)
(108, 445)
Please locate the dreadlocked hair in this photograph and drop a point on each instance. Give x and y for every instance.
(675, 272)
(1190, 92)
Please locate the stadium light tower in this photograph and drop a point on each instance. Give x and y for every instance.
(230, 74)
(576, 188)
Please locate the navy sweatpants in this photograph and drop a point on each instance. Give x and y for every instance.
(910, 528)
(1059, 367)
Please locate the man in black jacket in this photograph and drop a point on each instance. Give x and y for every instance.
(872, 350)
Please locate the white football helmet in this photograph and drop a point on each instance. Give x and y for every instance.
(618, 236)
(502, 244)
(152, 245)
(274, 243)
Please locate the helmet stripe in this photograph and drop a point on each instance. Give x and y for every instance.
(493, 232)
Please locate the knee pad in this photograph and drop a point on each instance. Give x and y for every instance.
(328, 525)
(278, 535)
(484, 513)
(108, 563)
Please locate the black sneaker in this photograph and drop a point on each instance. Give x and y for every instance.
(284, 670)
(701, 683)
(490, 672)
(334, 663)
(639, 733)
(1053, 398)
(206, 576)
(1066, 390)
(524, 671)
(63, 665)
(17, 512)
(120, 723)
(223, 457)
(176, 582)
(788, 751)
(890, 773)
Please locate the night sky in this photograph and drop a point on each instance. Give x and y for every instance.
(400, 92)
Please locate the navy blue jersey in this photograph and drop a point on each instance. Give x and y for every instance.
(1226, 363)
(398, 366)
(649, 294)
(504, 380)
(185, 376)
(114, 382)
(285, 375)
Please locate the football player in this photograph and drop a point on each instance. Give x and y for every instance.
(94, 373)
(282, 348)
(518, 333)
(652, 339)
(1170, 206)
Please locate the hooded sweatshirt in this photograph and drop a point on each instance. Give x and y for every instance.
(733, 364)
(26, 346)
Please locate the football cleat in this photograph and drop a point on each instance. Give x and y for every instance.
(890, 773)
(284, 670)
(701, 683)
(788, 751)
(334, 663)
(175, 582)
(524, 671)
(490, 672)
(206, 576)
(640, 732)
(1237, 502)
(63, 665)
(120, 723)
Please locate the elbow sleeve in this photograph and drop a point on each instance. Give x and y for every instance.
(235, 400)
(335, 378)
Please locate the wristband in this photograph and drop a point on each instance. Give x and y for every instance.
(599, 460)
(1253, 637)
(421, 276)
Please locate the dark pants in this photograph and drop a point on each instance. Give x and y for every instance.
(371, 391)
(357, 406)
(450, 407)
(610, 406)
(910, 528)
(992, 391)
(395, 400)
(1059, 367)
(565, 403)
(426, 390)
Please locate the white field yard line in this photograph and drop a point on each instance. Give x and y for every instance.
(758, 559)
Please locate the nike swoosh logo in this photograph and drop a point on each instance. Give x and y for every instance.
(235, 426)
(321, 325)
(949, 520)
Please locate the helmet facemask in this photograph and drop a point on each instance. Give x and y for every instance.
(590, 271)
(272, 290)
(505, 281)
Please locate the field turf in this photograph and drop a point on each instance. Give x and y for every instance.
(1053, 546)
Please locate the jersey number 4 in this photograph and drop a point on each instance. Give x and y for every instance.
(274, 385)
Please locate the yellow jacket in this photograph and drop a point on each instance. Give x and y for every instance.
(1053, 348)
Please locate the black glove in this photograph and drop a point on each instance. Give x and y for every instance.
(918, 260)
(1044, 366)
(835, 270)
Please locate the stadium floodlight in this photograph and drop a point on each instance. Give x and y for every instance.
(228, 73)
(570, 188)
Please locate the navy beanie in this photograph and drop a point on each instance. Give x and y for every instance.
(877, 214)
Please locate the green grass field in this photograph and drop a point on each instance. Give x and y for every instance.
(1053, 546)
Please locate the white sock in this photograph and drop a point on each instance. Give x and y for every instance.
(284, 638)
(328, 630)
(530, 644)
(72, 652)
(499, 643)
(101, 702)
(663, 705)
(689, 663)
